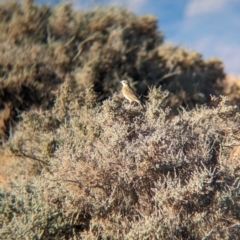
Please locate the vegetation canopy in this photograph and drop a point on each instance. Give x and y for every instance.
(78, 162)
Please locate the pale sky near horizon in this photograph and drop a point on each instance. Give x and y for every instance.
(211, 27)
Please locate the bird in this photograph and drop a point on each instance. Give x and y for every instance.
(129, 93)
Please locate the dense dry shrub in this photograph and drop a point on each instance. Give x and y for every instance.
(231, 88)
(120, 172)
(84, 168)
(40, 46)
(196, 79)
(27, 213)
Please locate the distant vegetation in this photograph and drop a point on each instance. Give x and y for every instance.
(79, 163)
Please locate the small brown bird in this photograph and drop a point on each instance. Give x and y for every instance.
(129, 94)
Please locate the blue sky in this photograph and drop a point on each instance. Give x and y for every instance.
(211, 27)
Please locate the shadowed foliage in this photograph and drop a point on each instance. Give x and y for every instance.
(40, 46)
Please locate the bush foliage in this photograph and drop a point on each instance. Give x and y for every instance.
(42, 46)
(113, 171)
(86, 164)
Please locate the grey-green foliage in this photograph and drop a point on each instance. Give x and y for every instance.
(132, 173)
(26, 213)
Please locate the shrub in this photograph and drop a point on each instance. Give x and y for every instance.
(84, 164)
(231, 86)
(42, 46)
(123, 173)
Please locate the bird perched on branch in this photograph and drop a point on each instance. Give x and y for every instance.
(129, 93)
